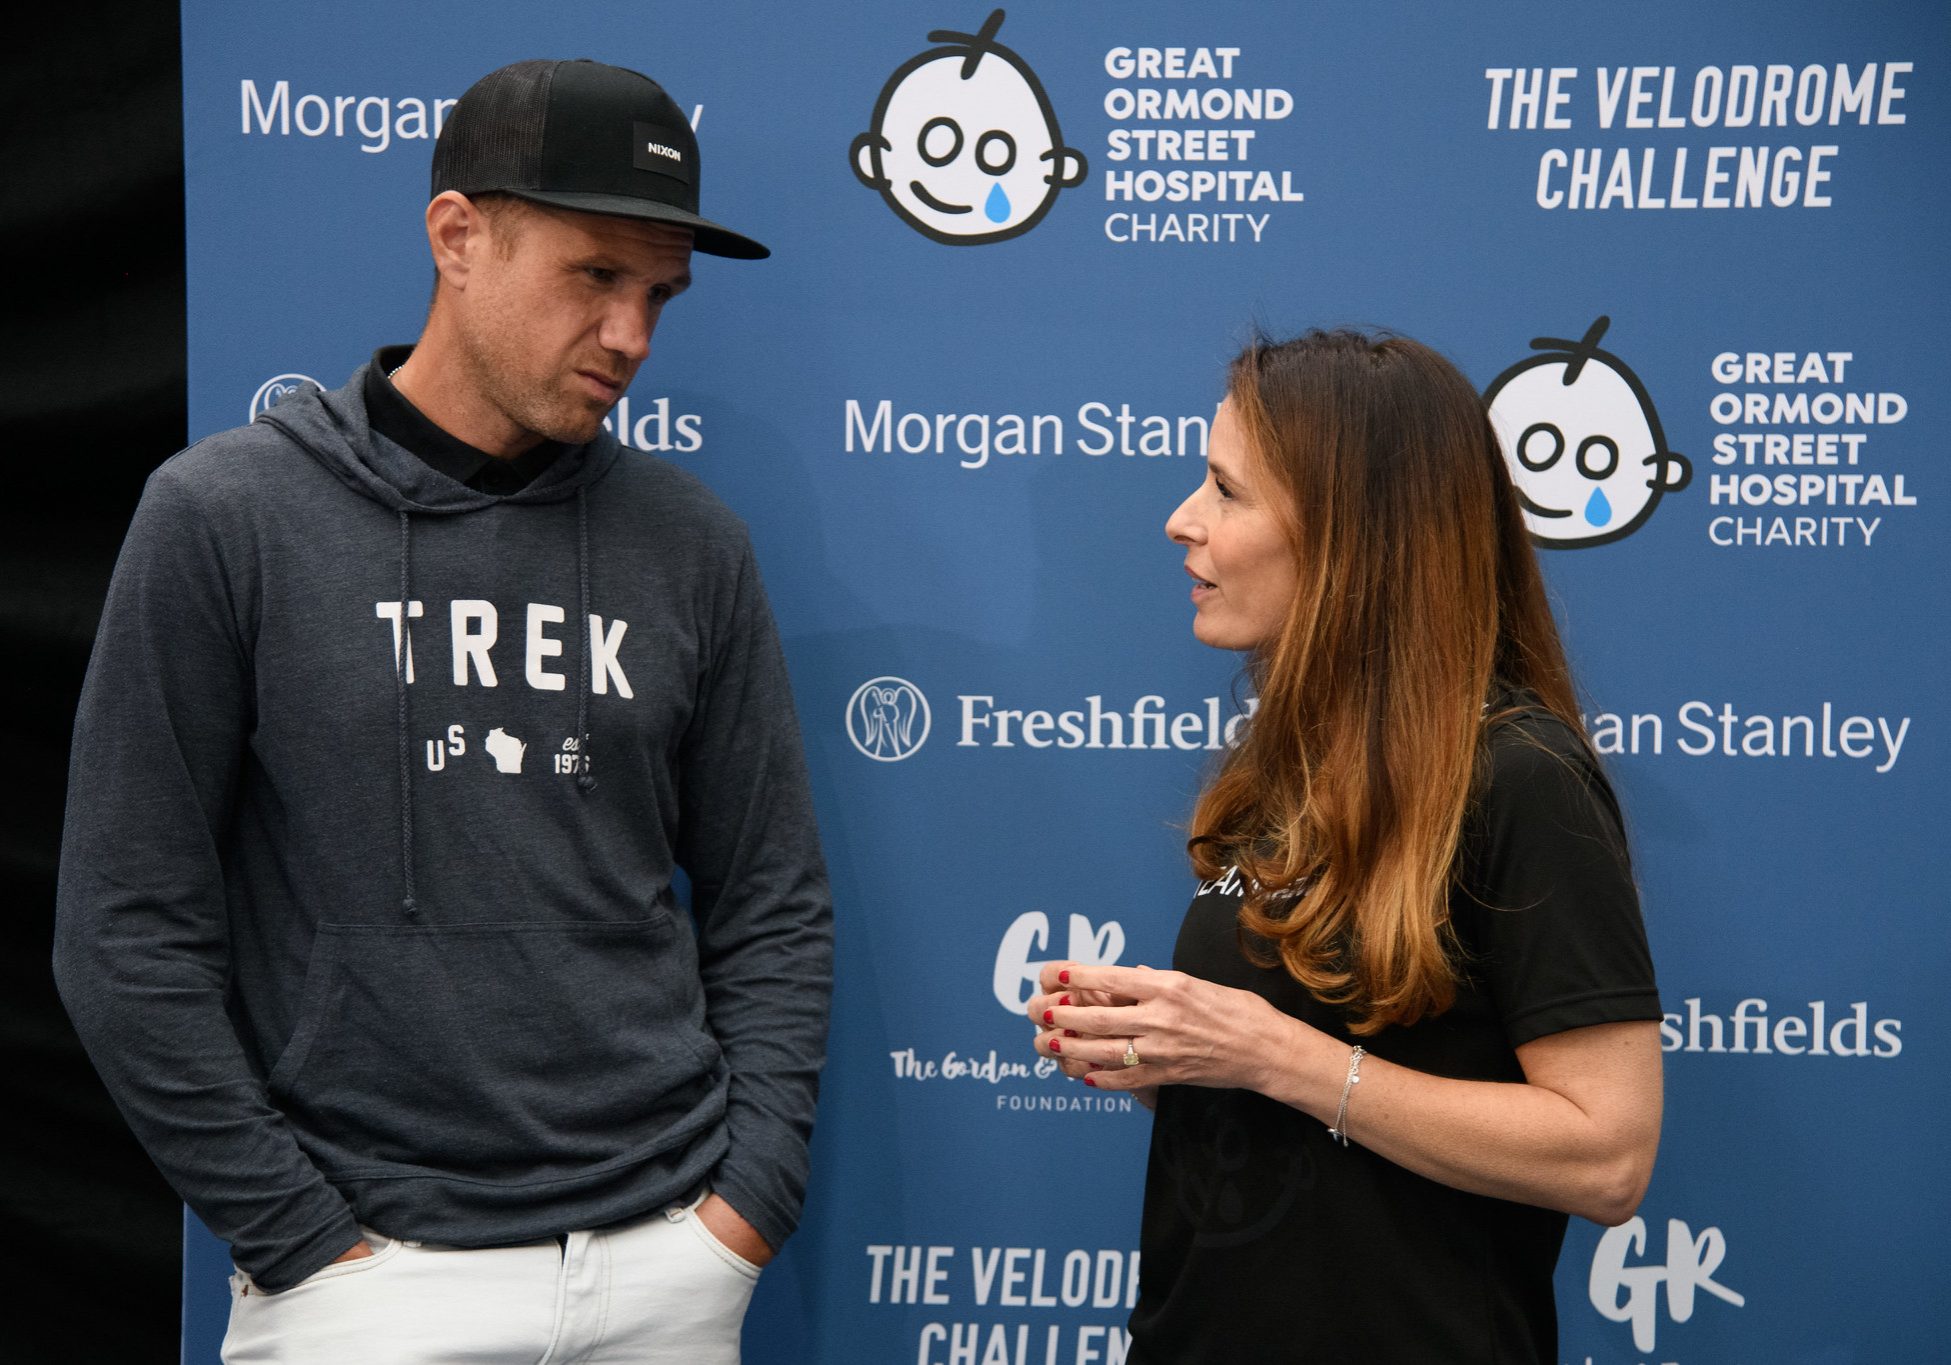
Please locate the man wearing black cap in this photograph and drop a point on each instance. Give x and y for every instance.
(408, 703)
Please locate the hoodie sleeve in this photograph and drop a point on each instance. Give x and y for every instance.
(750, 847)
(141, 944)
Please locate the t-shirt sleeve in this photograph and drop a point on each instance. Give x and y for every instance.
(1548, 912)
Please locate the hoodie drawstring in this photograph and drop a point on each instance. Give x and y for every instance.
(585, 779)
(401, 656)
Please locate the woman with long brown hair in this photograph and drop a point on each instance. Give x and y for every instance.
(1412, 1023)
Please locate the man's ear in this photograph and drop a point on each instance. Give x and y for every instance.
(457, 234)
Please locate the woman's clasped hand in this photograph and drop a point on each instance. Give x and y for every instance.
(1137, 1028)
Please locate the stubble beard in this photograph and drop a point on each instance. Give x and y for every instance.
(542, 406)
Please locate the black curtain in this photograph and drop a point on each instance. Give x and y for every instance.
(92, 389)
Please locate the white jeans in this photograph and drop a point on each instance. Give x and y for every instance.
(659, 1291)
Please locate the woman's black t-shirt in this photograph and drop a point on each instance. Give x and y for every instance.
(1264, 1240)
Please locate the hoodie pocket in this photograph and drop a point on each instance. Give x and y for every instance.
(494, 1051)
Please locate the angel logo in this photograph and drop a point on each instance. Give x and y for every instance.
(1582, 441)
(964, 146)
(887, 719)
(275, 390)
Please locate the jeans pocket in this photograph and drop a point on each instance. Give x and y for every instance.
(384, 1250)
(731, 1258)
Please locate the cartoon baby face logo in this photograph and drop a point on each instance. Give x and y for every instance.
(1582, 441)
(965, 147)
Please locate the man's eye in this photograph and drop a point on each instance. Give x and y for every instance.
(599, 274)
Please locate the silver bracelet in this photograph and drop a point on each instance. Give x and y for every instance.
(1338, 1130)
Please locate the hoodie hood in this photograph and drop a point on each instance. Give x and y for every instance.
(333, 429)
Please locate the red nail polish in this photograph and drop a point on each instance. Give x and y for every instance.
(1070, 1033)
(1056, 1045)
(1091, 1081)
(1063, 1000)
(1064, 977)
(1049, 1018)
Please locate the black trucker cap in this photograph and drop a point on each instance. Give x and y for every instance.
(581, 135)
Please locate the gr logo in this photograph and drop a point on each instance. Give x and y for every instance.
(887, 719)
(275, 390)
(1582, 442)
(1631, 1293)
(964, 146)
(1017, 967)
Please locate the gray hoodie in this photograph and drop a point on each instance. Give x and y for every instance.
(352, 942)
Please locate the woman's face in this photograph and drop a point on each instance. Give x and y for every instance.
(1237, 553)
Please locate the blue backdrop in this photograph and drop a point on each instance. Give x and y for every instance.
(956, 437)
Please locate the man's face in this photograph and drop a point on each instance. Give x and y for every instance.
(558, 312)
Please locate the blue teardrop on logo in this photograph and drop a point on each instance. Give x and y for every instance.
(1597, 510)
(996, 205)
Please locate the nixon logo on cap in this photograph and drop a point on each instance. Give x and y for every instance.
(652, 152)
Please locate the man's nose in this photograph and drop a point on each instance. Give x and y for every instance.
(627, 327)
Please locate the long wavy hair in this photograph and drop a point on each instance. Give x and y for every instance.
(1417, 591)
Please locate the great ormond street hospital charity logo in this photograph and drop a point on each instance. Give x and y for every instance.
(887, 719)
(964, 146)
(1582, 442)
(275, 390)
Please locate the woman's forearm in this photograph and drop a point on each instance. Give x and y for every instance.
(1578, 1134)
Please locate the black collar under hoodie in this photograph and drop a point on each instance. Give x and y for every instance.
(392, 415)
